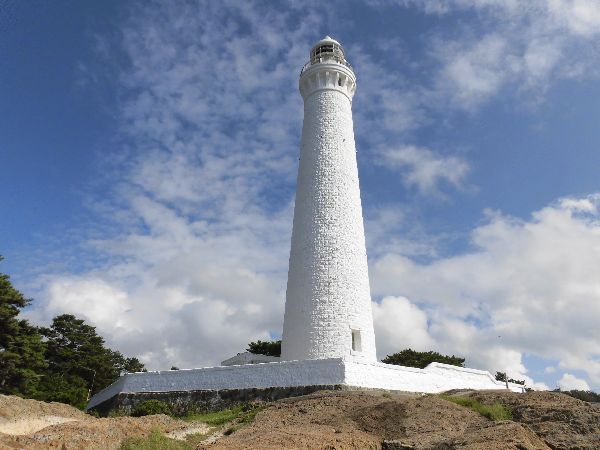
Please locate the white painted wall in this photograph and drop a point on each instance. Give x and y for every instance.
(434, 378)
(249, 358)
(288, 373)
(328, 283)
(335, 371)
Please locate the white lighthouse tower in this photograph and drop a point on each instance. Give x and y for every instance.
(328, 302)
(328, 337)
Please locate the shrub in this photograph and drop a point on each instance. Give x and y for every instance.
(150, 407)
(269, 348)
(586, 396)
(501, 376)
(492, 412)
(217, 418)
(243, 414)
(155, 441)
(412, 358)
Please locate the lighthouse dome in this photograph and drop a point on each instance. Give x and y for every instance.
(327, 48)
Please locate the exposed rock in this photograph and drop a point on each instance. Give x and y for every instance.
(334, 420)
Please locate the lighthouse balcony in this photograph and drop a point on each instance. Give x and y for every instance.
(326, 58)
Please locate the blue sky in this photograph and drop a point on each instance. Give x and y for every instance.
(149, 153)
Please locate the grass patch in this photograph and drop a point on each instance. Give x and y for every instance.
(217, 418)
(243, 414)
(234, 418)
(196, 438)
(492, 412)
(249, 415)
(151, 407)
(155, 441)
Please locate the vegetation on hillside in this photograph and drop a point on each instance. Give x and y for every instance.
(155, 441)
(492, 412)
(151, 407)
(586, 396)
(412, 358)
(65, 362)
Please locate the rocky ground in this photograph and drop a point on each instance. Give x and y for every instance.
(368, 420)
(329, 421)
(29, 424)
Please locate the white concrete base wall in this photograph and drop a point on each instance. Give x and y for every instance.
(277, 374)
(335, 371)
(434, 378)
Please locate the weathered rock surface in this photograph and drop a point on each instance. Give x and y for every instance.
(30, 424)
(339, 420)
(370, 420)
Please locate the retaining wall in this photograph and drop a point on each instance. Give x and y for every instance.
(215, 387)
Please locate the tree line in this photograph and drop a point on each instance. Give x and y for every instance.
(407, 357)
(66, 362)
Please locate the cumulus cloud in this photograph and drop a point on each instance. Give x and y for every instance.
(531, 282)
(192, 242)
(425, 169)
(570, 382)
(521, 47)
(399, 325)
(192, 261)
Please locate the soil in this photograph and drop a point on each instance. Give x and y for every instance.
(30, 424)
(329, 421)
(371, 420)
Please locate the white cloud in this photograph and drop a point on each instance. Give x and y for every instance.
(194, 265)
(580, 17)
(424, 169)
(385, 101)
(392, 229)
(532, 282)
(193, 260)
(570, 382)
(399, 324)
(473, 74)
(521, 47)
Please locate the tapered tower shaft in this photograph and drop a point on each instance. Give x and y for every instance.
(328, 302)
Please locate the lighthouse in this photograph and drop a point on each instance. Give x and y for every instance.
(328, 337)
(328, 302)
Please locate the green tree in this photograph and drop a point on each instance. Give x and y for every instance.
(64, 362)
(269, 348)
(78, 362)
(412, 358)
(501, 376)
(586, 396)
(21, 346)
(132, 365)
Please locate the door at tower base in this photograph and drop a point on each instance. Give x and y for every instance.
(328, 301)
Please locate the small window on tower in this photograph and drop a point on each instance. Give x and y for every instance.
(356, 344)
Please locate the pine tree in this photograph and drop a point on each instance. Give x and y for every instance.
(412, 358)
(269, 348)
(79, 363)
(66, 362)
(21, 346)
